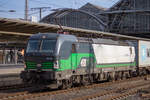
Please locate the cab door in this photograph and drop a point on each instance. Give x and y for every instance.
(86, 58)
(89, 59)
(74, 57)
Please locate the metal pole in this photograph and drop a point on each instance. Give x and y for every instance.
(4, 56)
(40, 9)
(15, 56)
(40, 13)
(26, 10)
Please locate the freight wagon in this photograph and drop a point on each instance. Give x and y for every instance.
(143, 62)
(66, 60)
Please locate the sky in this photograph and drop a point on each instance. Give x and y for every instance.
(19, 6)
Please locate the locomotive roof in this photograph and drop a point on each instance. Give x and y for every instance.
(73, 38)
(104, 41)
(47, 35)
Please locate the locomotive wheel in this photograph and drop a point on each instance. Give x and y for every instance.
(124, 76)
(69, 83)
(66, 84)
(109, 78)
(119, 76)
(85, 80)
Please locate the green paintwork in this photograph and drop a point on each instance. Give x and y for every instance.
(73, 62)
(45, 65)
(30, 65)
(117, 65)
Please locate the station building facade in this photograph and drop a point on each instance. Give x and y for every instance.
(85, 17)
(128, 17)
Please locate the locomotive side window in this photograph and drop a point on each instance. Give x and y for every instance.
(65, 50)
(84, 48)
(73, 48)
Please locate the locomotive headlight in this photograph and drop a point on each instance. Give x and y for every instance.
(25, 66)
(56, 65)
(39, 65)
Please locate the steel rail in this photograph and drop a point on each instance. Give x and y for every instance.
(134, 88)
(25, 95)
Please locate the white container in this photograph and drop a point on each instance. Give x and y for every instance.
(144, 53)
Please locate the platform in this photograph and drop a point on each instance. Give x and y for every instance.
(11, 68)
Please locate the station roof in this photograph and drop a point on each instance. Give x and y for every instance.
(20, 30)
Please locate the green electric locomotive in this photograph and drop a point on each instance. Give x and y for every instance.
(64, 60)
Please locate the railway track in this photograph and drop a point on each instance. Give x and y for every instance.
(118, 93)
(10, 81)
(117, 96)
(11, 87)
(26, 95)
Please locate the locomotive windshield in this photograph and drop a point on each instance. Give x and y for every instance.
(42, 46)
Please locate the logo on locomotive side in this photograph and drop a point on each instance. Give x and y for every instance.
(83, 62)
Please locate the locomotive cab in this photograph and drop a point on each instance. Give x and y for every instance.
(39, 55)
(42, 57)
